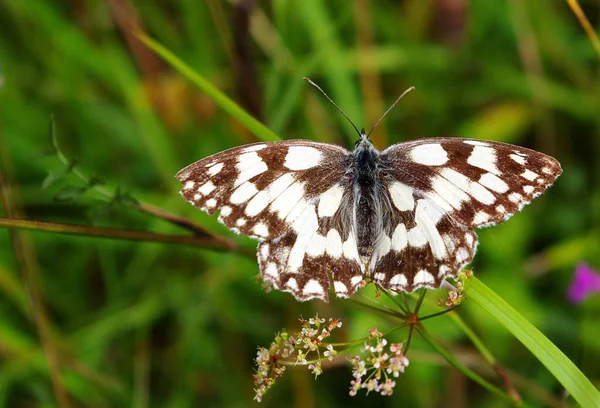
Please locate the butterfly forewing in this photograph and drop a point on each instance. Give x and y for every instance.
(291, 195)
(477, 183)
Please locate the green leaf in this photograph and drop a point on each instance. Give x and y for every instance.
(69, 193)
(228, 105)
(549, 355)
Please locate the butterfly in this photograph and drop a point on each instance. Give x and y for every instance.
(327, 217)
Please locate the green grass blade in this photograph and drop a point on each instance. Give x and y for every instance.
(258, 129)
(549, 355)
(465, 370)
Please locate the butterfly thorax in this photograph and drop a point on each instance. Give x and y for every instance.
(367, 193)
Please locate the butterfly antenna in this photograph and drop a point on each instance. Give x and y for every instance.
(389, 109)
(334, 104)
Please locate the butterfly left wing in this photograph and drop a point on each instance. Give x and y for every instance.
(290, 195)
(437, 192)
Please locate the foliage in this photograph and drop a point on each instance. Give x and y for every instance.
(90, 321)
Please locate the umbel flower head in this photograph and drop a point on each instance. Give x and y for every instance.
(293, 350)
(376, 371)
(586, 282)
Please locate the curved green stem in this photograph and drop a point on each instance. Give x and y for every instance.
(465, 370)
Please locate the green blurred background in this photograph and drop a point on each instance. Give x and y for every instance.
(150, 324)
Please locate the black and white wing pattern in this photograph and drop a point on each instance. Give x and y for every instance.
(404, 218)
(436, 192)
(293, 196)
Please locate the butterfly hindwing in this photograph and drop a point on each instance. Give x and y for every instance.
(422, 246)
(318, 251)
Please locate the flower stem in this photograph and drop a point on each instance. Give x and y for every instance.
(420, 300)
(465, 370)
(443, 312)
(405, 310)
(380, 309)
(363, 339)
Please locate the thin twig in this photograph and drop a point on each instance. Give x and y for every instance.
(131, 235)
(366, 338)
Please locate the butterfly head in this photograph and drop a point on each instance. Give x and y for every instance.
(363, 142)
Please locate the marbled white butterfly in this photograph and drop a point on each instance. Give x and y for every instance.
(403, 217)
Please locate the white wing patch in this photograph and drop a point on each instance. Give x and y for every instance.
(249, 165)
(306, 228)
(493, 183)
(330, 200)
(399, 238)
(302, 158)
(402, 196)
(517, 158)
(426, 217)
(206, 188)
(243, 193)
(432, 154)
(484, 158)
(215, 169)
(313, 287)
(285, 203)
(529, 175)
(416, 237)
(452, 196)
(423, 278)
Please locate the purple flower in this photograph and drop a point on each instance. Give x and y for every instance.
(585, 282)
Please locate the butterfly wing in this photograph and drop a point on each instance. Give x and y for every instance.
(291, 195)
(438, 191)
